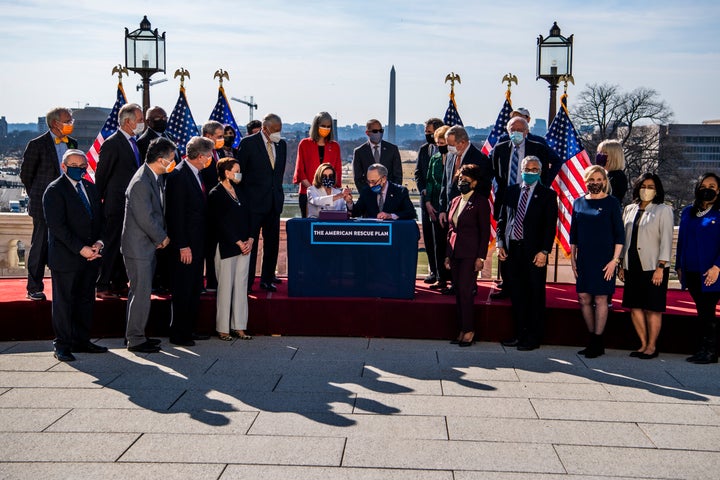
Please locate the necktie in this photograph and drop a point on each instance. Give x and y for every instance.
(59, 140)
(202, 185)
(376, 153)
(517, 230)
(381, 202)
(271, 154)
(161, 189)
(514, 163)
(134, 146)
(83, 198)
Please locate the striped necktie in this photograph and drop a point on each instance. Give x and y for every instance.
(517, 230)
(514, 163)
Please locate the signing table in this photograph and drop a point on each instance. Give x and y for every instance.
(360, 258)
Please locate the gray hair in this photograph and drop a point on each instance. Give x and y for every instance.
(55, 114)
(211, 126)
(459, 133)
(271, 119)
(525, 125)
(127, 111)
(72, 152)
(378, 167)
(531, 158)
(199, 146)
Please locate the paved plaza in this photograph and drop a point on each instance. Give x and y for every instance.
(355, 408)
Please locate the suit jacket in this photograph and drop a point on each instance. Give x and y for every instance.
(308, 161)
(144, 224)
(501, 155)
(148, 136)
(449, 190)
(397, 201)
(655, 234)
(468, 238)
(70, 226)
(389, 157)
(40, 166)
(540, 222)
(185, 210)
(229, 219)
(116, 166)
(421, 168)
(698, 241)
(261, 183)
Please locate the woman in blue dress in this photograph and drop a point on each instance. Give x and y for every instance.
(597, 236)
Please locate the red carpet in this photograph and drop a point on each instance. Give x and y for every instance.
(429, 316)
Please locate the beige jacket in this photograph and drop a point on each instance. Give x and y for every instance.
(655, 234)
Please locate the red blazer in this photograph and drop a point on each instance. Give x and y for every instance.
(308, 160)
(469, 238)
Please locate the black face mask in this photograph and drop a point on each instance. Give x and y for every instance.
(442, 149)
(159, 125)
(430, 138)
(229, 140)
(601, 159)
(464, 187)
(705, 195)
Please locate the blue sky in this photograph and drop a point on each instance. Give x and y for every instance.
(297, 58)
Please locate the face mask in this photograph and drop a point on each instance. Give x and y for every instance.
(76, 173)
(443, 149)
(376, 188)
(170, 166)
(324, 132)
(464, 187)
(67, 129)
(328, 182)
(452, 149)
(530, 177)
(139, 128)
(430, 138)
(595, 188)
(647, 195)
(237, 177)
(275, 137)
(228, 140)
(219, 144)
(706, 195)
(375, 137)
(159, 125)
(209, 162)
(517, 138)
(601, 159)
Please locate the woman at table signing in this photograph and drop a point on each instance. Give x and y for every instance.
(323, 195)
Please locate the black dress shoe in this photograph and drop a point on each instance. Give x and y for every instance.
(466, 344)
(430, 279)
(182, 342)
(635, 354)
(36, 296)
(438, 286)
(704, 358)
(501, 295)
(510, 342)
(268, 286)
(276, 280)
(526, 347)
(154, 341)
(145, 347)
(64, 356)
(197, 336)
(448, 291)
(89, 347)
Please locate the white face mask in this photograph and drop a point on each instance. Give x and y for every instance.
(275, 137)
(237, 177)
(452, 149)
(139, 128)
(647, 195)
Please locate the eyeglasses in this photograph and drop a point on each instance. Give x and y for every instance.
(531, 170)
(372, 183)
(376, 130)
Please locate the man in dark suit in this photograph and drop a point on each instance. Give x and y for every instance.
(421, 167)
(118, 162)
(525, 235)
(262, 159)
(382, 199)
(40, 166)
(143, 233)
(506, 158)
(214, 131)
(376, 150)
(185, 214)
(73, 216)
(524, 113)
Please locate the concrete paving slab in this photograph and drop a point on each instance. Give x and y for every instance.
(365, 384)
(29, 419)
(26, 363)
(256, 383)
(153, 399)
(639, 462)
(122, 361)
(680, 414)
(445, 455)
(63, 447)
(426, 369)
(146, 421)
(94, 471)
(442, 405)
(683, 437)
(462, 475)
(255, 472)
(577, 391)
(662, 395)
(231, 367)
(52, 380)
(506, 374)
(349, 426)
(229, 400)
(273, 450)
(546, 431)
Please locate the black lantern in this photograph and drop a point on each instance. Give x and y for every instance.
(145, 55)
(554, 60)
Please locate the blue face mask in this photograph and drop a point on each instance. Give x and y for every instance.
(376, 188)
(530, 177)
(375, 137)
(517, 137)
(76, 173)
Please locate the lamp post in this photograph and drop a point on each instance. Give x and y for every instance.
(554, 60)
(145, 55)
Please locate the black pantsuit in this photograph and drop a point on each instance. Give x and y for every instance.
(705, 303)
(528, 292)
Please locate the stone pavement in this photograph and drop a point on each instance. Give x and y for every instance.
(355, 408)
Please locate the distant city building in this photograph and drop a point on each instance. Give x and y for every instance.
(700, 144)
(3, 127)
(539, 127)
(88, 123)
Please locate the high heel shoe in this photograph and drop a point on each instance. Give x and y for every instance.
(466, 343)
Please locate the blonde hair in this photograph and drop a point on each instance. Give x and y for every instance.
(592, 170)
(440, 132)
(317, 180)
(615, 156)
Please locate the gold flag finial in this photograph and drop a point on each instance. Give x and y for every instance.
(509, 78)
(220, 74)
(120, 70)
(565, 79)
(182, 73)
(452, 77)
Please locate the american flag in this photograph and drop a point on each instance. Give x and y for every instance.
(181, 125)
(568, 184)
(222, 113)
(110, 127)
(452, 117)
